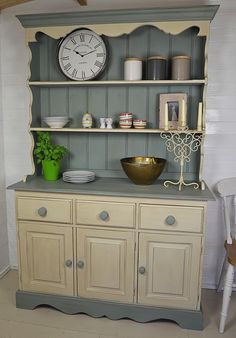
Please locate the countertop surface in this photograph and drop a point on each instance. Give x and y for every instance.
(113, 187)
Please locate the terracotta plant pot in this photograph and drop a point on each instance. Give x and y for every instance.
(51, 170)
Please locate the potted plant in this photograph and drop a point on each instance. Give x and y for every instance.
(50, 155)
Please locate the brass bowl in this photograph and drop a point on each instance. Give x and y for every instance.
(143, 170)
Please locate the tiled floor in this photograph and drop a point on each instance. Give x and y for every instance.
(49, 323)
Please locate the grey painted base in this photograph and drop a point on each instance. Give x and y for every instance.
(187, 319)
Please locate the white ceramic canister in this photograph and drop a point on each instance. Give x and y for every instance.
(180, 67)
(133, 69)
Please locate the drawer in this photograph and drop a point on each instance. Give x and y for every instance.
(46, 210)
(105, 213)
(171, 217)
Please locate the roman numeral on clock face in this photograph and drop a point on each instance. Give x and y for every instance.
(65, 58)
(98, 64)
(100, 55)
(73, 41)
(83, 74)
(74, 73)
(99, 44)
(82, 37)
(67, 66)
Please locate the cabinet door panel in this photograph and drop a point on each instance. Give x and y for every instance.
(44, 251)
(108, 270)
(172, 265)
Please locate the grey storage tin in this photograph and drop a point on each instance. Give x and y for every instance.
(156, 68)
(180, 67)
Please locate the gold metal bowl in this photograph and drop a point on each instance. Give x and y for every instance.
(143, 170)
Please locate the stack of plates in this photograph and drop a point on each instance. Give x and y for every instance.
(78, 176)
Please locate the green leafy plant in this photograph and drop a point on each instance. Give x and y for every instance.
(46, 150)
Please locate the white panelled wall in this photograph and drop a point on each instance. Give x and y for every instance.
(220, 150)
(4, 257)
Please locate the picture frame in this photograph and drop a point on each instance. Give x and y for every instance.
(177, 107)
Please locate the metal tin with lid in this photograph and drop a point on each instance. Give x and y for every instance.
(133, 69)
(156, 67)
(180, 67)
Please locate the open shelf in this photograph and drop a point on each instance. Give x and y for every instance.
(114, 130)
(116, 83)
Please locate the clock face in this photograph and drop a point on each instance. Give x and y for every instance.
(82, 55)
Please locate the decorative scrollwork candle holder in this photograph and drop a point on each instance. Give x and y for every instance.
(182, 143)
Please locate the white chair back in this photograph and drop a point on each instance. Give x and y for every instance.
(226, 188)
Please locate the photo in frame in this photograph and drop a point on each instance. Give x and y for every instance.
(176, 105)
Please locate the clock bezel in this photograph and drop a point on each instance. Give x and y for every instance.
(101, 69)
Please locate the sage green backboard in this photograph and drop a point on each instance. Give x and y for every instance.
(102, 152)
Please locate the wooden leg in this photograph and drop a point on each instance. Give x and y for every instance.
(226, 296)
(222, 274)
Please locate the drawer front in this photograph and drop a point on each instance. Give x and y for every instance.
(171, 217)
(46, 210)
(105, 213)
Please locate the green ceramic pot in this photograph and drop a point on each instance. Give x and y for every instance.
(51, 170)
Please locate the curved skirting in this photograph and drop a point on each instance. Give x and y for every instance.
(187, 319)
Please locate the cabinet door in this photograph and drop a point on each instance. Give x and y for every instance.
(46, 255)
(105, 264)
(169, 267)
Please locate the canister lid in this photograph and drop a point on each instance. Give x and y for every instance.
(181, 57)
(156, 57)
(133, 59)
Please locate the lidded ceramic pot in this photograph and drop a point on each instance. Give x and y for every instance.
(156, 68)
(87, 120)
(181, 67)
(133, 69)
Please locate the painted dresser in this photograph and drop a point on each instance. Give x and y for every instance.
(111, 247)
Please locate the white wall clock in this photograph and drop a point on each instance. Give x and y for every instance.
(82, 55)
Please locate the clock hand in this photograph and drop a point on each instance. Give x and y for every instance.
(90, 52)
(78, 53)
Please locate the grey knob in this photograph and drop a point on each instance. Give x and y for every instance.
(142, 270)
(104, 215)
(170, 220)
(80, 264)
(68, 263)
(42, 212)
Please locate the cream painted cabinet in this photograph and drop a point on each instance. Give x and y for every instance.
(105, 264)
(46, 258)
(169, 268)
(132, 263)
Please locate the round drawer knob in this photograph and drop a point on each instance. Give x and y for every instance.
(104, 215)
(68, 263)
(170, 220)
(42, 212)
(80, 264)
(142, 270)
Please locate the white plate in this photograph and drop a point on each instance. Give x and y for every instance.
(78, 178)
(79, 173)
(78, 181)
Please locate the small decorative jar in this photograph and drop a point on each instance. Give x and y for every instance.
(102, 122)
(87, 120)
(156, 68)
(133, 69)
(109, 121)
(181, 67)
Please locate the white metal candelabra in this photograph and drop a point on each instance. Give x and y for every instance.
(182, 143)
